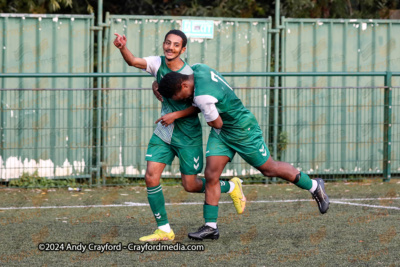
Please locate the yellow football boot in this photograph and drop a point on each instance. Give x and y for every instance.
(159, 235)
(238, 198)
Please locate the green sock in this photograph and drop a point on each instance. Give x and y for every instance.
(303, 181)
(210, 213)
(225, 186)
(203, 188)
(157, 204)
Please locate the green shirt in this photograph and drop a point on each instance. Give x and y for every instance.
(214, 97)
(184, 131)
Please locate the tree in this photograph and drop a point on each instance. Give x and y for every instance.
(364, 9)
(45, 6)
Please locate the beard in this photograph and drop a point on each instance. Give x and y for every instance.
(171, 59)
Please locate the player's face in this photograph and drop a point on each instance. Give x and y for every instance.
(185, 94)
(173, 47)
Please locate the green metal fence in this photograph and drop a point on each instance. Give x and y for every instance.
(338, 45)
(335, 114)
(44, 132)
(46, 44)
(48, 134)
(335, 130)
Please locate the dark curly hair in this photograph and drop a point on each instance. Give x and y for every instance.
(180, 34)
(171, 83)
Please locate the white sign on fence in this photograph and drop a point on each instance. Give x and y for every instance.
(198, 28)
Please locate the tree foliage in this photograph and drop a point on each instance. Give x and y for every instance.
(46, 6)
(366, 9)
(211, 8)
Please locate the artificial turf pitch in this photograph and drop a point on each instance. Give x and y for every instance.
(281, 226)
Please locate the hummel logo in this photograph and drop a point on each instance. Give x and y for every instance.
(263, 151)
(196, 165)
(158, 215)
(196, 160)
(149, 155)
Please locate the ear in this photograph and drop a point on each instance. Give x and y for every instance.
(183, 50)
(185, 84)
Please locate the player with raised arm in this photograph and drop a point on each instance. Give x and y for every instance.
(234, 130)
(178, 133)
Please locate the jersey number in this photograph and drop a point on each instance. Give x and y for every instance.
(215, 78)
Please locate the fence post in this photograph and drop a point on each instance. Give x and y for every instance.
(99, 92)
(387, 127)
(276, 80)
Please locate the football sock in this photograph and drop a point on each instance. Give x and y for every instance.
(203, 189)
(166, 228)
(157, 204)
(212, 225)
(314, 186)
(303, 181)
(231, 187)
(225, 187)
(210, 213)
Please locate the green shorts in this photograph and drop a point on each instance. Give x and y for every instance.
(190, 157)
(253, 150)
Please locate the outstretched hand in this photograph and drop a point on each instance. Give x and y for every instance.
(120, 41)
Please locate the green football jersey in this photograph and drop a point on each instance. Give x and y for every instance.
(214, 97)
(184, 131)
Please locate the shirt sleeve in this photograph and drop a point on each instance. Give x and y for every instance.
(153, 64)
(206, 104)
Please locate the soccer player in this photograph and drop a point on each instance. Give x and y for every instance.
(177, 134)
(234, 130)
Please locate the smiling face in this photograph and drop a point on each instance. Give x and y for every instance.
(173, 47)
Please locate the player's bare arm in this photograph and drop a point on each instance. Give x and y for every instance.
(154, 86)
(218, 123)
(130, 59)
(169, 118)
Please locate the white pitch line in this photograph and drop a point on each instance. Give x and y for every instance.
(138, 204)
(73, 207)
(366, 205)
(364, 199)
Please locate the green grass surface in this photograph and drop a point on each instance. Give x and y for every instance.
(267, 234)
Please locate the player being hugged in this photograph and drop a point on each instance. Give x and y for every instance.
(234, 130)
(178, 133)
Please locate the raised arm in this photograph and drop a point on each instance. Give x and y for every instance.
(131, 60)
